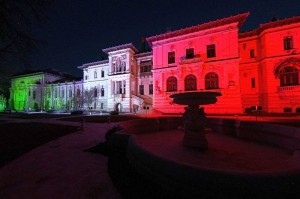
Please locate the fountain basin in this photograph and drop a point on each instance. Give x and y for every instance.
(231, 167)
(216, 173)
(195, 98)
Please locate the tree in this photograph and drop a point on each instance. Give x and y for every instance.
(77, 102)
(17, 19)
(89, 97)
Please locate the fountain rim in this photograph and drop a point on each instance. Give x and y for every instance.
(196, 94)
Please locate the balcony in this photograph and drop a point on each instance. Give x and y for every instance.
(146, 74)
(184, 60)
(288, 88)
(118, 73)
(119, 95)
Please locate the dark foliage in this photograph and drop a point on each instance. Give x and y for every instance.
(18, 19)
(18, 138)
(112, 130)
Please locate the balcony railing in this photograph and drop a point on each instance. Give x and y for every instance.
(288, 88)
(119, 95)
(196, 59)
(144, 74)
(118, 73)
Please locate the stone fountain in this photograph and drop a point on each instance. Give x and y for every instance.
(194, 116)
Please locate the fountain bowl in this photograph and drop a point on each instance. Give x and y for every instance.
(195, 98)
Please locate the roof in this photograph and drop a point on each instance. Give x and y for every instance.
(93, 63)
(240, 19)
(66, 79)
(44, 71)
(143, 54)
(120, 47)
(272, 24)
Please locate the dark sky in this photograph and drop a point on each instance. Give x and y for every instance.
(78, 30)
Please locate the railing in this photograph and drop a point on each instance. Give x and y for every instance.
(118, 73)
(118, 95)
(143, 74)
(288, 88)
(138, 99)
(196, 59)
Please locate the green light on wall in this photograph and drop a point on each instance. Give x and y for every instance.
(21, 89)
(2, 103)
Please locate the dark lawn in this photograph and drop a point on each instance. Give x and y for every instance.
(101, 118)
(19, 138)
(293, 123)
(37, 115)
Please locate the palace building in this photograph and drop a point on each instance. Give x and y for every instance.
(259, 68)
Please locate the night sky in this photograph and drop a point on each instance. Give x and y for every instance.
(78, 30)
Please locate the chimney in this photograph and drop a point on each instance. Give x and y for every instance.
(143, 44)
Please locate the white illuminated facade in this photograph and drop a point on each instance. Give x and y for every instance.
(119, 80)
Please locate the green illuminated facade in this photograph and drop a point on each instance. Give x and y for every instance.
(45, 90)
(2, 103)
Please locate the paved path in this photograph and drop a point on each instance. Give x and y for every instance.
(60, 169)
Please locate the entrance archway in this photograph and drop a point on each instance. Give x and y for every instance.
(118, 107)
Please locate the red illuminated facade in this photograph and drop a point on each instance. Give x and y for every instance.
(256, 68)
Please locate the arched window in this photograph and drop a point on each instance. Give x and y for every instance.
(172, 84)
(289, 76)
(211, 81)
(190, 83)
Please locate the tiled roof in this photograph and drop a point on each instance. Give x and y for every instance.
(93, 63)
(45, 71)
(120, 47)
(143, 54)
(240, 18)
(272, 24)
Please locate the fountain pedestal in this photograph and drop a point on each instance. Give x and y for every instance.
(194, 116)
(194, 127)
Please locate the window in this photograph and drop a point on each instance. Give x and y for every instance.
(29, 93)
(95, 92)
(101, 106)
(124, 87)
(190, 83)
(33, 94)
(252, 82)
(211, 81)
(211, 51)
(189, 53)
(55, 93)
(95, 74)
(102, 73)
(252, 53)
(289, 76)
(119, 87)
(172, 84)
(86, 77)
(62, 93)
(287, 110)
(171, 57)
(70, 93)
(146, 68)
(102, 92)
(288, 43)
(150, 89)
(141, 89)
